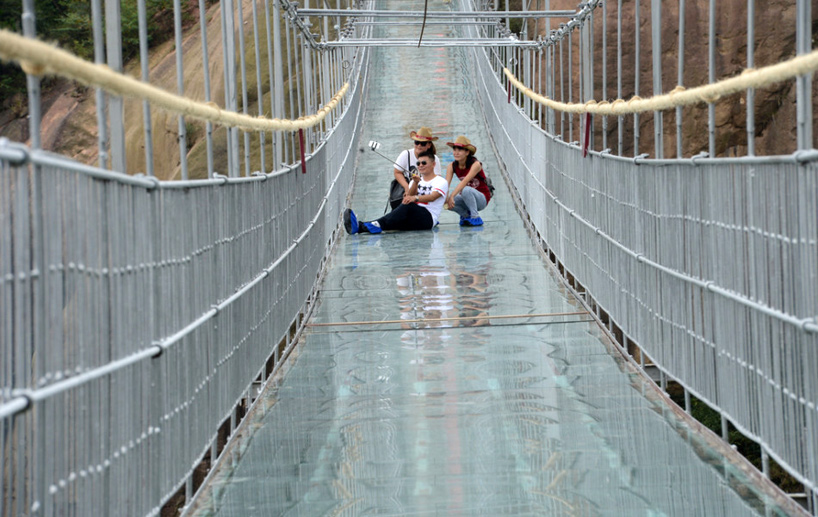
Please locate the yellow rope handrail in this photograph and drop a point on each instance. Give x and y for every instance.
(39, 58)
(680, 96)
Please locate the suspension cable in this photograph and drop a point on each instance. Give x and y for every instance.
(423, 27)
(680, 96)
(39, 58)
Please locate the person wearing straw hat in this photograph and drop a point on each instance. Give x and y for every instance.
(472, 194)
(420, 208)
(407, 160)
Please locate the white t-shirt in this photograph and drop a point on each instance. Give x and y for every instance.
(437, 184)
(413, 161)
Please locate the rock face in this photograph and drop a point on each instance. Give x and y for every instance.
(774, 41)
(69, 111)
(70, 121)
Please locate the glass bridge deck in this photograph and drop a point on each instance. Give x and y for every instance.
(443, 409)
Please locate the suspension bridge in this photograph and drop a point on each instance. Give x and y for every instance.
(630, 332)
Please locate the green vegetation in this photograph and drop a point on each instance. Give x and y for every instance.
(748, 448)
(68, 22)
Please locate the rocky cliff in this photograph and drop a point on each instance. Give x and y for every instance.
(774, 41)
(69, 121)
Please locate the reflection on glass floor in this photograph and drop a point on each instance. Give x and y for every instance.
(424, 415)
(407, 396)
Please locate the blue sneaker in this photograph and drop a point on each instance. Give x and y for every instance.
(475, 221)
(463, 221)
(373, 227)
(350, 222)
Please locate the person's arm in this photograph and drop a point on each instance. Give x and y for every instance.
(449, 174)
(426, 198)
(400, 177)
(412, 191)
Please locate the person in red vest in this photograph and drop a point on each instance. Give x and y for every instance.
(472, 194)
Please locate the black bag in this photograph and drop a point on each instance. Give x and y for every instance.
(489, 183)
(396, 190)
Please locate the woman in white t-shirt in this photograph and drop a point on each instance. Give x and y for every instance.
(406, 161)
(420, 208)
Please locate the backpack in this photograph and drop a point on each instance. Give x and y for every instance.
(396, 192)
(489, 184)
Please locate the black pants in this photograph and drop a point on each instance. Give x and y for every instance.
(407, 217)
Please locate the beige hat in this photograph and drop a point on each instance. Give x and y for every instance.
(424, 134)
(463, 142)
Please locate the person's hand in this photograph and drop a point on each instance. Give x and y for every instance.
(449, 203)
(408, 199)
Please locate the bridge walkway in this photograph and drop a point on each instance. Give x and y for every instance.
(409, 395)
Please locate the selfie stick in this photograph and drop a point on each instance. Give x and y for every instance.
(374, 146)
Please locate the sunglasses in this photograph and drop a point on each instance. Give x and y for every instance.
(421, 143)
(423, 162)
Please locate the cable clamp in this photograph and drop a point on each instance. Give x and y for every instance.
(25, 155)
(805, 155)
(703, 154)
(641, 157)
(159, 347)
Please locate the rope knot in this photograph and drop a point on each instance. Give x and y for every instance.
(710, 97)
(618, 106)
(31, 68)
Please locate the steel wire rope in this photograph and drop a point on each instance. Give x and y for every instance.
(809, 325)
(453, 318)
(38, 58)
(423, 26)
(681, 96)
(22, 399)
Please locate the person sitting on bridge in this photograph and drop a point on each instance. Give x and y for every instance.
(472, 194)
(407, 160)
(421, 204)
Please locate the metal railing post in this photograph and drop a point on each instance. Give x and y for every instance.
(680, 78)
(180, 85)
(145, 67)
(656, 43)
(116, 107)
(637, 67)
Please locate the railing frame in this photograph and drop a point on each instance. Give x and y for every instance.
(533, 159)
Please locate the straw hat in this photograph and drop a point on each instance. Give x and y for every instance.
(463, 142)
(424, 134)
